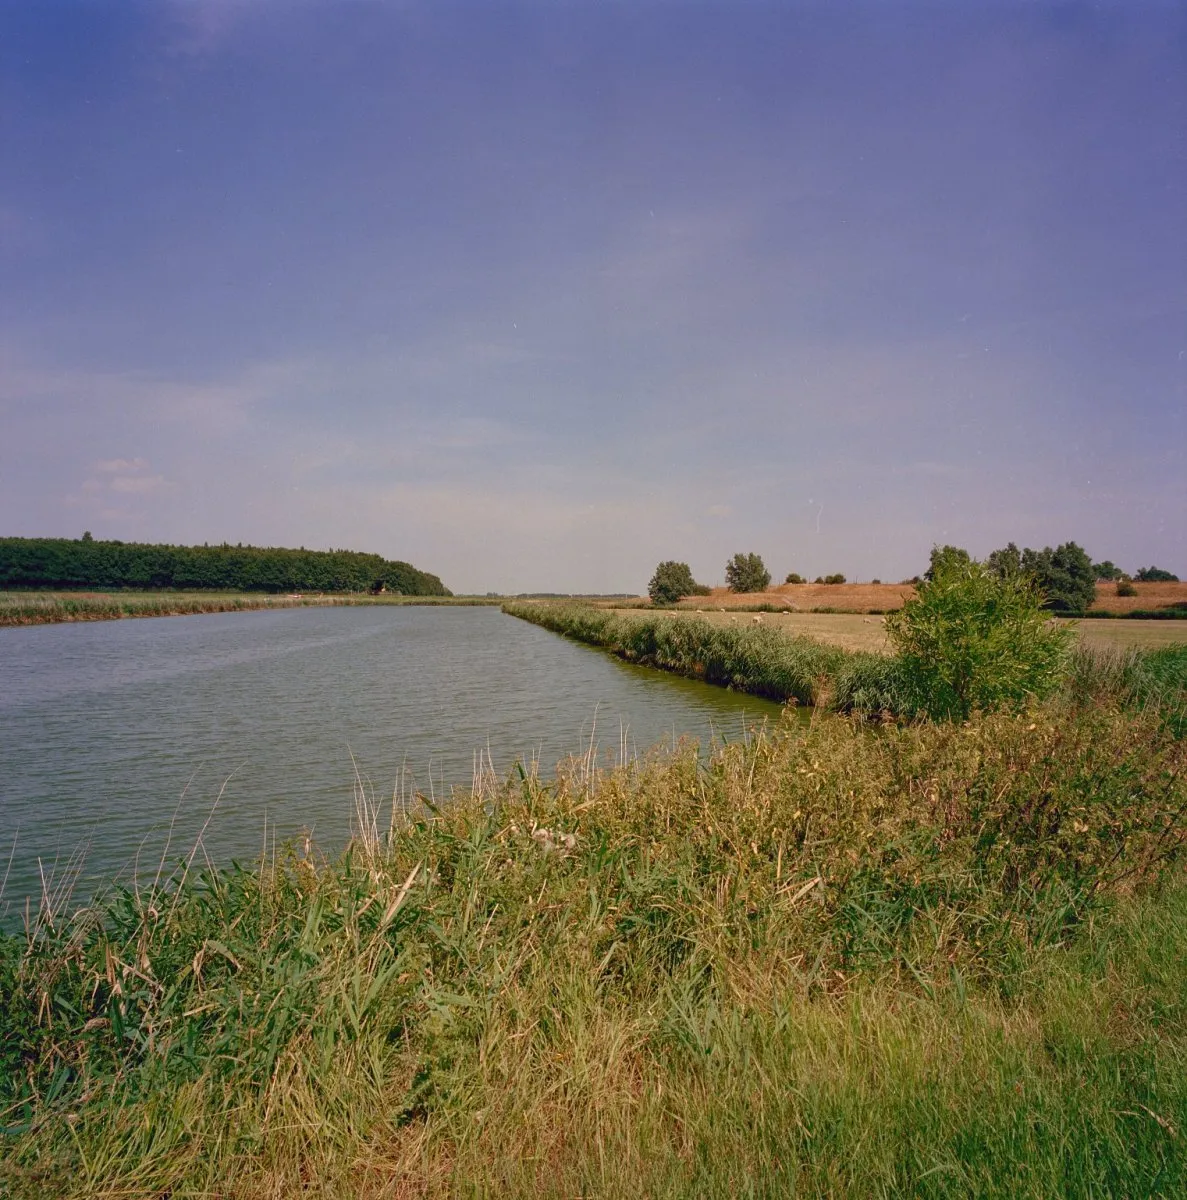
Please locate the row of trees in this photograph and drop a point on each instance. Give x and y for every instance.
(63, 563)
(1065, 576)
(673, 581)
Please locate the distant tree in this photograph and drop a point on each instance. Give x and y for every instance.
(1155, 575)
(671, 582)
(1005, 563)
(794, 578)
(1107, 570)
(944, 556)
(1064, 576)
(747, 573)
(837, 578)
(875, 582)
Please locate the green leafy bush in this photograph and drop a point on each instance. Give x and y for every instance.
(975, 640)
(747, 573)
(793, 577)
(1125, 588)
(1156, 575)
(671, 582)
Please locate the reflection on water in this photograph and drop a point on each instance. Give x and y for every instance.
(112, 731)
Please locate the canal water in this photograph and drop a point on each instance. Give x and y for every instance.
(121, 740)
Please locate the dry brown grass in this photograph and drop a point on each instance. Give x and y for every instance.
(1149, 595)
(886, 597)
(803, 597)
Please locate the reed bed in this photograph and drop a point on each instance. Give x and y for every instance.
(747, 658)
(32, 608)
(939, 960)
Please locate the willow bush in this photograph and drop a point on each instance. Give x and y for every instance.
(972, 638)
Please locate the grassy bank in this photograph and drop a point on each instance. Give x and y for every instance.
(776, 661)
(940, 961)
(748, 658)
(39, 608)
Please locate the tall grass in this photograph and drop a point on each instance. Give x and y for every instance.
(1145, 679)
(31, 608)
(748, 658)
(940, 961)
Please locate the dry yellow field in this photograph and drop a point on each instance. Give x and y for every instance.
(1144, 635)
(851, 631)
(885, 597)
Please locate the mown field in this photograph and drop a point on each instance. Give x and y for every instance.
(852, 631)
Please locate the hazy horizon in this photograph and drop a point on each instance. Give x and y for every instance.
(536, 296)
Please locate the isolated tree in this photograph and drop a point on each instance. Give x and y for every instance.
(671, 582)
(975, 639)
(1155, 575)
(794, 577)
(747, 573)
(1107, 570)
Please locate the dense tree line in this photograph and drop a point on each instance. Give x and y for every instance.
(86, 563)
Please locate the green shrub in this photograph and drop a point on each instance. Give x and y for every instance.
(1125, 588)
(1156, 575)
(794, 578)
(975, 640)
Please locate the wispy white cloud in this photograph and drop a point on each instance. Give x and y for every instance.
(120, 466)
(138, 485)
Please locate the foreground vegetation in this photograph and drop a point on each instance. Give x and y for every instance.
(940, 960)
(88, 563)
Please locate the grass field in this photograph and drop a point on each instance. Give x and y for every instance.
(853, 632)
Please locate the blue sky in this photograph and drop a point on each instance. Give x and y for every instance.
(537, 295)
